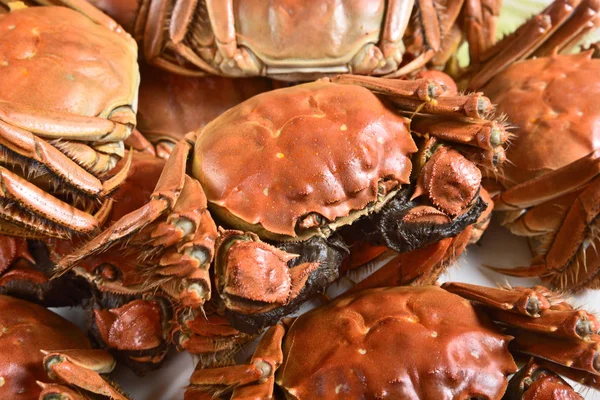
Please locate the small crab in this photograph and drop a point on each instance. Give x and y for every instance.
(289, 40)
(549, 190)
(38, 345)
(421, 342)
(284, 171)
(67, 102)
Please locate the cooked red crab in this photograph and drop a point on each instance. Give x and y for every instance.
(287, 169)
(550, 189)
(413, 343)
(374, 37)
(67, 101)
(39, 345)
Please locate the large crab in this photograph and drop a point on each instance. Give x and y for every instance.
(285, 39)
(421, 342)
(549, 191)
(67, 101)
(286, 170)
(38, 345)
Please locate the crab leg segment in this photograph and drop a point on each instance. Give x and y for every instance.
(82, 368)
(480, 26)
(552, 184)
(253, 380)
(520, 300)
(54, 391)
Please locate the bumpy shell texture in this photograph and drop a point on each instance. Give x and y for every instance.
(315, 148)
(395, 343)
(25, 329)
(54, 58)
(553, 101)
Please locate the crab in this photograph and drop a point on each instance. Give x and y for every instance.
(425, 342)
(375, 37)
(39, 345)
(172, 105)
(67, 101)
(284, 171)
(549, 190)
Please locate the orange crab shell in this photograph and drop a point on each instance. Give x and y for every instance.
(387, 341)
(25, 328)
(553, 102)
(91, 76)
(318, 148)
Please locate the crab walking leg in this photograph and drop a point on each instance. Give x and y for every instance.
(237, 60)
(480, 134)
(209, 336)
(480, 25)
(519, 300)
(581, 355)
(165, 195)
(529, 37)
(30, 199)
(551, 185)
(585, 18)
(409, 97)
(253, 380)
(82, 368)
(567, 252)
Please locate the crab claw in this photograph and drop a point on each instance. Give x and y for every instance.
(533, 382)
(254, 277)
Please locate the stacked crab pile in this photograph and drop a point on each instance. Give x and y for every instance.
(197, 192)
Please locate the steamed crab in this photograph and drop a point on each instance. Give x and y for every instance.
(415, 343)
(286, 170)
(287, 40)
(38, 345)
(549, 191)
(67, 101)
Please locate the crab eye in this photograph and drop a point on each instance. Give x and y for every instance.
(107, 272)
(311, 220)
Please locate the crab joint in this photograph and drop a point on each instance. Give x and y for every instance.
(50, 362)
(185, 225)
(265, 369)
(200, 253)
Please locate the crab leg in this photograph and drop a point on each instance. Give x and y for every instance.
(165, 195)
(30, 197)
(53, 390)
(581, 377)
(563, 250)
(480, 25)
(581, 355)
(529, 37)
(481, 134)
(519, 300)
(432, 37)
(253, 380)
(552, 184)
(82, 368)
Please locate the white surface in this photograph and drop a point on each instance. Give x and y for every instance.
(497, 248)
